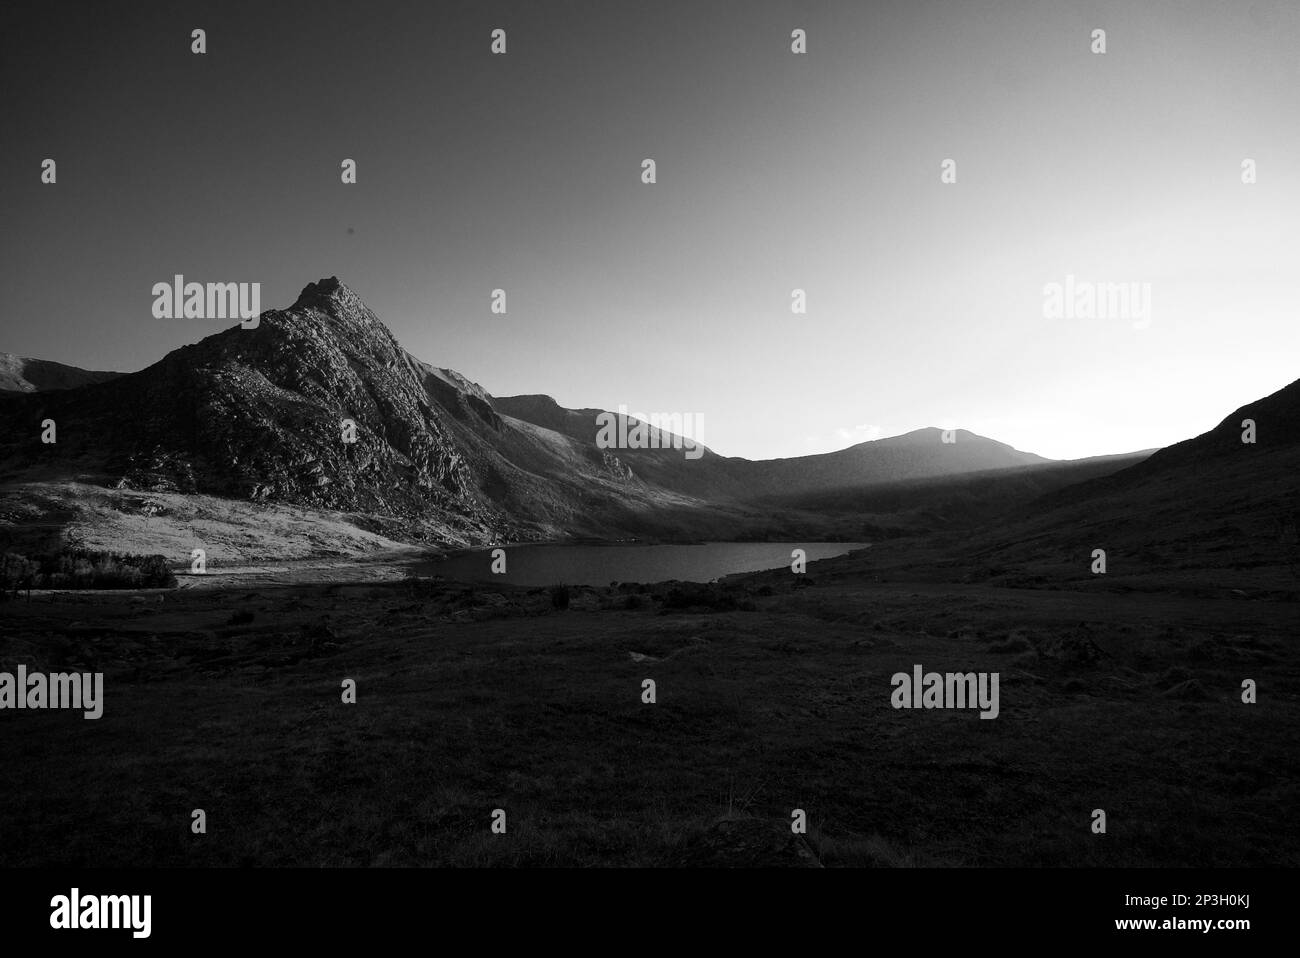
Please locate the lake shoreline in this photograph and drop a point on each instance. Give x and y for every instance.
(601, 562)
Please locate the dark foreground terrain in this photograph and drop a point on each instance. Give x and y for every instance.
(773, 693)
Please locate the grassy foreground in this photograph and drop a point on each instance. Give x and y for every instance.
(773, 693)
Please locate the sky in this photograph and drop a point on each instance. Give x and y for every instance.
(775, 171)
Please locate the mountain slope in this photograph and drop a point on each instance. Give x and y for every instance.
(1277, 428)
(258, 415)
(1205, 515)
(23, 375)
(920, 454)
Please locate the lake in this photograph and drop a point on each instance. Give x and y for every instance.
(585, 564)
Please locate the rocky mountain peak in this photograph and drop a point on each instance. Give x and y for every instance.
(327, 315)
(329, 293)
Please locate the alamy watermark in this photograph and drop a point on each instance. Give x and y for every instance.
(950, 690)
(181, 300)
(655, 431)
(1081, 299)
(57, 690)
(75, 911)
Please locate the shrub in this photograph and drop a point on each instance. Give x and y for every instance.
(77, 568)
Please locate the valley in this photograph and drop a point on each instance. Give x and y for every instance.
(1157, 687)
(773, 694)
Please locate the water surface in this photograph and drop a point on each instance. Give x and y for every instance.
(583, 564)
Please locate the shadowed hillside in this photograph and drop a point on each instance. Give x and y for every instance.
(1206, 516)
(22, 375)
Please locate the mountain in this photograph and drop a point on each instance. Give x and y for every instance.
(1276, 421)
(921, 454)
(1207, 515)
(23, 375)
(258, 415)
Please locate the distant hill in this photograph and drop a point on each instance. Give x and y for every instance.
(23, 375)
(915, 455)
(1203, 515)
